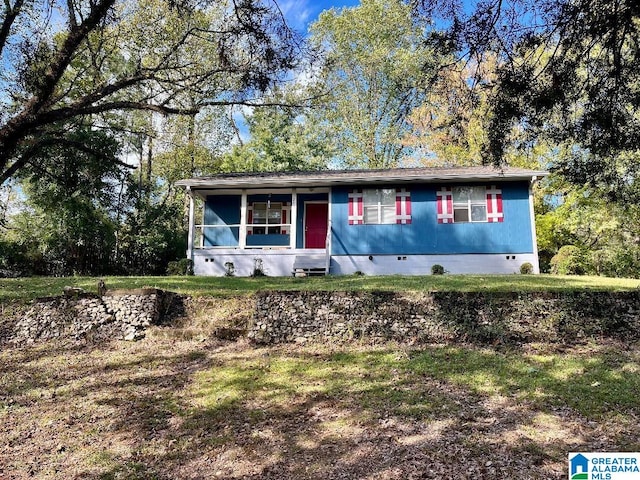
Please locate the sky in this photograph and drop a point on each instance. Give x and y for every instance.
(300, 13)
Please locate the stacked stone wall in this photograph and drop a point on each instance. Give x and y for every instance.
(490, 318)
(281, 316)
(118, 314)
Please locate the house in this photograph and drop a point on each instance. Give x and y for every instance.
(393, 221)
(579, 467)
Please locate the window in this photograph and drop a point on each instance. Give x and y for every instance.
(379, 205)
(267, 213)
(469, 204)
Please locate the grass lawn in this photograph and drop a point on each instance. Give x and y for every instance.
(29, 288)
(176, 408)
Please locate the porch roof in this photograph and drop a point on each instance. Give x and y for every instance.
(327, 178)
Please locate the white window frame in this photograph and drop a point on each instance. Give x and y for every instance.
(378, 206)
(267, 225)
(469, 204)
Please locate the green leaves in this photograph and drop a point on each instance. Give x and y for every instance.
(376, 60)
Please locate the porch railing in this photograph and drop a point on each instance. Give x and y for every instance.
(229, 235)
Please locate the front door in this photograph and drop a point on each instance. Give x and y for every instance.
(316, 217)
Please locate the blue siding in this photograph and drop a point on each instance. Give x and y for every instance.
(426, 236)
(273, 240)
(222, 210)
(278, 197)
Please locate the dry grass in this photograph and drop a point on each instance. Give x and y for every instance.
(183, 406)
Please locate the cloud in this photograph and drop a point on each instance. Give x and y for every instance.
(297, 12)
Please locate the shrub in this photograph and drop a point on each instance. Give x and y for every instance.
(571, 260)
(258, 268)
(184, 266)
(437, 270)
(230, 269)
(618, 261)
(526, 268)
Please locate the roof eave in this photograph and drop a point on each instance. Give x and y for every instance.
(322, 181)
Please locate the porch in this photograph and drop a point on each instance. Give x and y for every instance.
(243, 232)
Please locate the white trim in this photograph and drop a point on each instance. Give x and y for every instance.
(293, 220)
(304, 219)
(192, 224)
(242, 240)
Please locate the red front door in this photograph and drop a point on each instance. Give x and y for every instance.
(316, 217)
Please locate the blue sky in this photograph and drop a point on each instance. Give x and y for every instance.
(300, 13)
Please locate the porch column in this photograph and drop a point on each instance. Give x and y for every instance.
(242, 241)
(192, 226)
(293, 219)
(327, 254)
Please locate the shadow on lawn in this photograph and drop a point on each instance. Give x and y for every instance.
(431, 413)
(189, 410)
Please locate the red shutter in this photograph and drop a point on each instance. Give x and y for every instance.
(444, 198)
(403, 206)
(250, 219)
(356, 216)
(494, 205)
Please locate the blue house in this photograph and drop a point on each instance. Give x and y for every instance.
(394, 221)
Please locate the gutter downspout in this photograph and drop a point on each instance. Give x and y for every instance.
(532, 216)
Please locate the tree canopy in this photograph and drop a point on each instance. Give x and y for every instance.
(60, 61)
(568, 72)
(377, 60)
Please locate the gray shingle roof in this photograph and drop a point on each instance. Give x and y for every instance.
(351, 177)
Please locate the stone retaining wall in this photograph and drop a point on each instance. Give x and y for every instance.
(487, 318)
(119, 314)
(443, 316)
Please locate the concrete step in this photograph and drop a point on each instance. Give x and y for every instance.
(310, 265)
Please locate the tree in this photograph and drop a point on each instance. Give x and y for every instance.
(67, 227)
(281, 139)
(449, 128)
(151, 233)
(377, 62)
(568, 72)
(109, 56)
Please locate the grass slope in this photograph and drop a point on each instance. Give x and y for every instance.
(22, 289)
